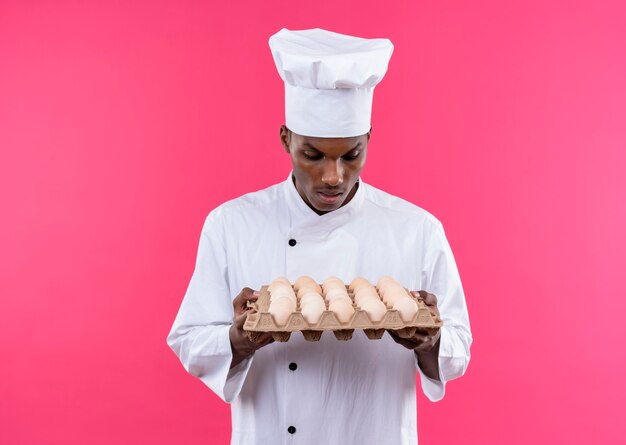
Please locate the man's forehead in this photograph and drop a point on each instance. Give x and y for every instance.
(316, 141)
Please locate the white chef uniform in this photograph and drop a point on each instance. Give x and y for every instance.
(359, 391)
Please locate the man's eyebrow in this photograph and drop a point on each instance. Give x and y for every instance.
(310, 146)
(306, 144)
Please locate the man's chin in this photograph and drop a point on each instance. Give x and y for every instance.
(325, 207)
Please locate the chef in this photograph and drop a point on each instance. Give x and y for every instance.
(322, 221)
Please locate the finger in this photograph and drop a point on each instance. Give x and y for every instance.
(251, 294)
(421, 332)
(407, 343)
(426, 339)
(248, 305)
(429, 299)
(247, 294)
(264, 340)
(257, 340)
(240, 303)
(240, 320)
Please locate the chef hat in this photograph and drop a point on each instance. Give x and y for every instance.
(329, 80)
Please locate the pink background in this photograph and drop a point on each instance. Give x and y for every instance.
(122, 124)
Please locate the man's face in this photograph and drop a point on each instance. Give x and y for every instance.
(326, 170)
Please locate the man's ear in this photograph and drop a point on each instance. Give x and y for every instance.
(285, 137)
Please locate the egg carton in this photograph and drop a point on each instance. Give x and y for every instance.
(260, 321)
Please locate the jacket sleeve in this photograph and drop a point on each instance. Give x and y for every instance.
(199, 336)
(440, 276)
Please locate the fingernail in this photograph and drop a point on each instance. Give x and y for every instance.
(256, 293)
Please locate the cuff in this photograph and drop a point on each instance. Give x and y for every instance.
(227, 382)
(434, 390)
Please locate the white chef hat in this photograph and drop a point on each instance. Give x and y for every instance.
(329, 80)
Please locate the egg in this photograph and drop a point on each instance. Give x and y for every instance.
(277, 282)
(375, 309)
(365, 292)
(334, 292)
(383, 280)
(280, 286)
(332, 283)
(311, 296)
(358, 283)
(330, 280)
(312, 311)
(283, 300)
(345, 298)
(362, 286)
(394, 295)
(309, 282)
(305, 290)
(364, 298)
(330, 291)
(406, 307)
(335, 289)
(390, 289)
(382, 284)
(281, 309)
(283, 291)
(342, 309)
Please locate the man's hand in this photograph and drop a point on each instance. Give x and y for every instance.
(240, 344)
(425, 344)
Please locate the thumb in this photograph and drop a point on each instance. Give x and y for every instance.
(250, 294)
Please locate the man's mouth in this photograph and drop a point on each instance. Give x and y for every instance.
(329, 197)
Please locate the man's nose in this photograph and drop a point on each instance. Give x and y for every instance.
(333, 173)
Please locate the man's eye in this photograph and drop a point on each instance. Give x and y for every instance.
(312, 156)
(352, 156)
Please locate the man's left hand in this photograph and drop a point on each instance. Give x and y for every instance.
(425, 344)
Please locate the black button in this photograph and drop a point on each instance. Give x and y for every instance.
(293, 366)
(292, 242)
(291, 429)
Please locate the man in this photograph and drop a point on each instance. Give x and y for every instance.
(322, 221)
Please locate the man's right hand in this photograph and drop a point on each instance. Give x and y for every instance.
(240, 344)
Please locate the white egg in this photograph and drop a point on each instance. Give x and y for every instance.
(278, 281)
(358, 283)
(390, 289)
(333, 288)
(375, 309)
(364, 287)
(406, 307)
(332, 283)
(309, 282)
(283, 300)
(384, 280)
(281, 309)
(345, 298)
(282, 291)
(311, 296)
(365, 292)
(364, 298)
(394, 295)
(333, 280)
(312, 311)
(333, 293)
(342, 309)
(305, 290)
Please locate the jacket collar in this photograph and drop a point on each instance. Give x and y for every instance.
(301, 213)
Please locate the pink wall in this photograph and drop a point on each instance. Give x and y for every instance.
(122, 126)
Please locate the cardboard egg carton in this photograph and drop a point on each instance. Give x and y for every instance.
(259, 321)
